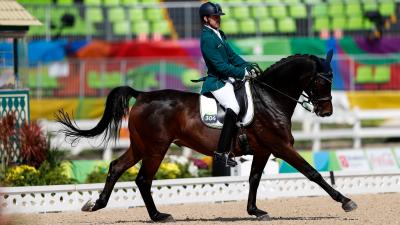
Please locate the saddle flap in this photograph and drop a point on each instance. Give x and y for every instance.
(213, 114)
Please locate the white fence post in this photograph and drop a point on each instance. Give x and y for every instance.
(356, 129)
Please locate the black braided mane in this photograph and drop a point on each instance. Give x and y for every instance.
(271, 71)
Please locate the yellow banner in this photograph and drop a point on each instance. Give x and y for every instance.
(87, 108)
(374, 99)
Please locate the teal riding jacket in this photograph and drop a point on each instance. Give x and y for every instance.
(221, 61)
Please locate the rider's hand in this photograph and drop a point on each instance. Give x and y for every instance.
(251, 72)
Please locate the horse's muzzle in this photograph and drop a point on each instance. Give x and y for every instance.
(324, 109)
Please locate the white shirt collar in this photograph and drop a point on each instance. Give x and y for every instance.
(215, 31)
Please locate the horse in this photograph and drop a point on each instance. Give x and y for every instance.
(159, 118)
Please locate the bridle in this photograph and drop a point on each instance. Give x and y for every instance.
(310, 98)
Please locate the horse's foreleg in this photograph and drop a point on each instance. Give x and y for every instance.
(150, 165)
(116, 169)
(257, 168)
(292, 157)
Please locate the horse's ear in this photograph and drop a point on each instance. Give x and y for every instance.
(329, 56)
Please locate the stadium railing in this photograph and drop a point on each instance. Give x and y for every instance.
(94, 78)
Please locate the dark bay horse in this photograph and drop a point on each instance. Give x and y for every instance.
(159, 118)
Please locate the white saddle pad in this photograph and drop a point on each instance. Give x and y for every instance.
(208, 110)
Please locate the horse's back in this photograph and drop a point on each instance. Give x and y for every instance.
(167, 103)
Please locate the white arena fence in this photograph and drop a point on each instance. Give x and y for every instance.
(60, 198)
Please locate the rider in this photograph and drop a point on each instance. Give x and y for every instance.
(224, 67)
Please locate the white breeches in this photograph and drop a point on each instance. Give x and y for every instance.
(226, 97)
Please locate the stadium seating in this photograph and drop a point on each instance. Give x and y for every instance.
(277, 16)
(43, 81)
(95, 15)
(373, 74)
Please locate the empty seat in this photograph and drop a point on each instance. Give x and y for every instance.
(355, 23)
(154, 14)
(321, 23)
(230, 26)
(292, 2)
(387, 8)
(335, 9)
(160, 27)
(141, 27)
(298, 11)
(364, 75)
(65, 2)
(240, 12)
(116, 14)
(247, 26)
(369, 5)
(338, 23)
(121, 28)
(94, 14)
(278, 11)
(319, 10)
(259, 12)
(287, 25)
(135, 14)
(92, 2)
(353, 9)
(312, 2)
(267, 26)
(382, 74)
(129, 2)
(111, 2)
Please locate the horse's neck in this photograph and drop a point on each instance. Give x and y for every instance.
(273, 103)
(291, 91)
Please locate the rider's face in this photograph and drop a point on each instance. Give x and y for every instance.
(214, 21)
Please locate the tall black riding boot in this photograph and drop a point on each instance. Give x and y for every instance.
(225, 140)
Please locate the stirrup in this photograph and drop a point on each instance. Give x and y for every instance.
(224, 157)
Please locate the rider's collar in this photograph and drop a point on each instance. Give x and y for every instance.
(215, 31)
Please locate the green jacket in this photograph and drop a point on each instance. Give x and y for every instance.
(221, 61)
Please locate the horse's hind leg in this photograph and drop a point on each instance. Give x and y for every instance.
(116, 169)
(294, 159)
(150, 165)
(257, 167)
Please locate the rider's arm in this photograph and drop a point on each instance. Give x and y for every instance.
(211, 53)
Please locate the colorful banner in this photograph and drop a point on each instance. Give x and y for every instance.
(397, 155)
(381, 159)
(352, 160)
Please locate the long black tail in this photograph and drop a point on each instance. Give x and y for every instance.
(117, 106)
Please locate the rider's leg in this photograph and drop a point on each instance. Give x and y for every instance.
(226, 97)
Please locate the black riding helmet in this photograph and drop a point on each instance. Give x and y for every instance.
(210, 9)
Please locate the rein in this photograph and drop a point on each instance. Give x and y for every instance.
(305, 103)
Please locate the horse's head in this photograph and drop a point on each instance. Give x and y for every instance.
(320, 85)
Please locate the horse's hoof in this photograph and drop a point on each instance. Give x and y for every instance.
(264, 217)
(349, 206)
(88, 207)
(260, 214)
(163, 218)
